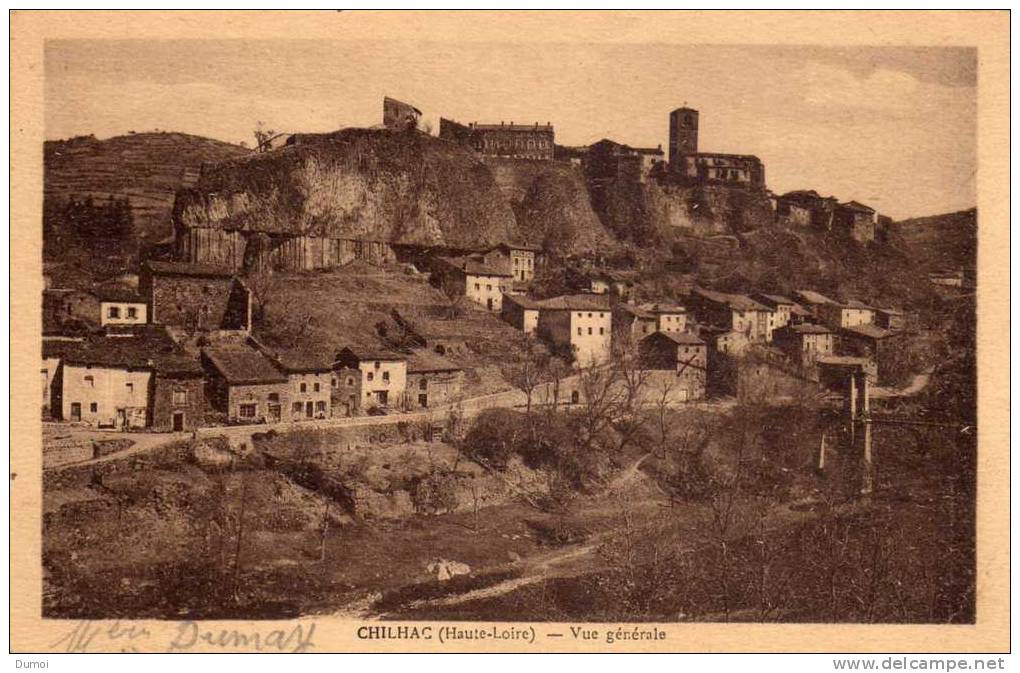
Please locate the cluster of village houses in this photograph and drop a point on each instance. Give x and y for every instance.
(177, 351)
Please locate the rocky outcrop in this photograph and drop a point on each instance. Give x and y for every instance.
(367, 184)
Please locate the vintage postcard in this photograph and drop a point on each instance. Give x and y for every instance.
(508, 331)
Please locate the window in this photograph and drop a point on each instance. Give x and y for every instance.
(602, 330)
(132, 312)
(247, 410)
(578, 331)
(89, 381)
(130, 388)
(350, 380)
(478, 286)
(423, 384)
(113, 312)
(386, 377)
(589, 315)
(589, 331)
(94, 407)
(370, 376)
(297, 407)
(332, 382)
(320, 407)
(377, 365)
(488, 287)
(315, 387)
(274, 397)
(303, 387)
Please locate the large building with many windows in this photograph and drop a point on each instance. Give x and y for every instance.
(517, 141)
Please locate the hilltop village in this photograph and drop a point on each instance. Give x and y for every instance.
(178, 346)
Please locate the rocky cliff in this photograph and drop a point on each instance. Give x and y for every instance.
(355, 184)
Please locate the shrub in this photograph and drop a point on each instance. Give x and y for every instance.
(494, 437)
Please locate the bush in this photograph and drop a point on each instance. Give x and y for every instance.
(435, 493)
(495, 436)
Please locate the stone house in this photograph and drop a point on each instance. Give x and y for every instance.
(345, 390)
(782, 308)
(53, 352)
(847, 314)
(245, 384)
(310, 378)
(834, 371)
(119, 305)
(609, 161)
(580, 325)
(196, 297)
(383, 374)
(866, 340)
(736, 169)
(684, 354)
(178, 397)
(481, 283)
(398, 115)
(804, 343)
(521, 259)
(632, 322)
(812, 301)
(890, 319)
(521, 312)
(855, 221)
(725, 341)
(127, 381)
(638, 320)
(806, 208)
(733, 312)
(432, 380)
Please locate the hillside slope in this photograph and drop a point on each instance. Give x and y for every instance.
(356, 183)
(946, 241)
(147, 168)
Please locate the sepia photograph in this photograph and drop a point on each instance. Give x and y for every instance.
(499, 331)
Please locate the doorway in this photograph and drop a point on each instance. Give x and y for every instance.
(178, 421)
(309, 410)
(75, 411)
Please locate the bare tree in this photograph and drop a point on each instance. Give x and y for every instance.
(263, 137)
(260, 283)
(527, 372)
(455, 297)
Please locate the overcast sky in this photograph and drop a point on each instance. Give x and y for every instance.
(894, 128)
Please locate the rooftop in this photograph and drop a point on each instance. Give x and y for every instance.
(523, 301)
(511, 127)
(426, 361)
(577, 302)
(680, 338)
(858, 206)
(118, 293)
(737, 302)
(853, 303)
(366, 352)
(870, 331)
(842, 361)
(477, 267)
(773, 298)
(807, 328)
(240, 365)
(812, 297)
(146, 347)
